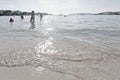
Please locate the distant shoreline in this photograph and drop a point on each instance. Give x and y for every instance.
(18, 13)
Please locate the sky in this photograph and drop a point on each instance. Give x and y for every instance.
(61, 6)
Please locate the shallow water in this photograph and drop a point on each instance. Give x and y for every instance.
(86, 46)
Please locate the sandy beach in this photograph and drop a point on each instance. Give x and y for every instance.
(103, 69)
(30, 73)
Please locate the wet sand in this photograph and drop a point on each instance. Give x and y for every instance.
(106, 68)
(31, 73)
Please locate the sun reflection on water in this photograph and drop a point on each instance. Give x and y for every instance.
(47, 46)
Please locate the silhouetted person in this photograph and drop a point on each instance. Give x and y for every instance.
(41, 15)
(32, 19)
(22, 17)
(11, 20)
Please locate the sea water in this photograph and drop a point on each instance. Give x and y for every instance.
(77, 45)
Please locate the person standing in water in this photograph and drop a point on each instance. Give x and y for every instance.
(41, 15)
(32, 19)
(22, 17)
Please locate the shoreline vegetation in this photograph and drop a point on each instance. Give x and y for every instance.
(102, 13)
(17, 13)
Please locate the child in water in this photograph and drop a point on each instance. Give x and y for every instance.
(22, 17)
(11, 20)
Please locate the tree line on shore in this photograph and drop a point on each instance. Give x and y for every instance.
(17, 12)
(109, 13)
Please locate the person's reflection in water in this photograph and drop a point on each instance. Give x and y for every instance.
(32, 25)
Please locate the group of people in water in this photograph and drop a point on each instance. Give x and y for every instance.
(32, 19)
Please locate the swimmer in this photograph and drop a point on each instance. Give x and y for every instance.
(11, 20)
